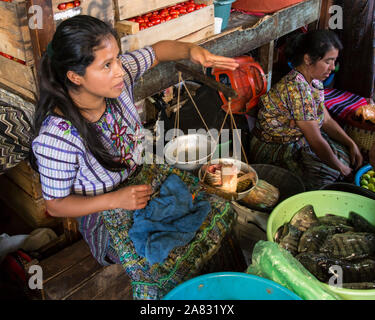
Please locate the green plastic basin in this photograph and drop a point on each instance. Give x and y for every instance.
(324, 202)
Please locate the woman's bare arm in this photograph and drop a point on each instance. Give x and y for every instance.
(320, 146)
(130, 198)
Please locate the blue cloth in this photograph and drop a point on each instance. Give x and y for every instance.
(168, 221)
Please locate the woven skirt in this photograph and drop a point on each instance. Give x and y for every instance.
(152, 282)
(300, 159)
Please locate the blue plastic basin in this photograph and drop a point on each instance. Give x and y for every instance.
(361, 172)
(230, 286)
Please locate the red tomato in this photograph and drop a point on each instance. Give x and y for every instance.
(190, 8)
(174, 16)
(155, 20)
(61, 6)
(182, 10)
(154, 13)
(70, 5)
(149, 24)
(131, 19)
(167, 18)
(174, 11)
(142, 26)
(140, 20)
(148, 14)
(164, 13)
(162, 19)
(77, 3)
(198, 6)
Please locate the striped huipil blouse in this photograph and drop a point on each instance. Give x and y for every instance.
(67, 167)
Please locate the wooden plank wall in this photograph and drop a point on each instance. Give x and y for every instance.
(17, 74)
(14, 31)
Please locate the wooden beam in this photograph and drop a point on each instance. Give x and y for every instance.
(234, 43)
(40, 37)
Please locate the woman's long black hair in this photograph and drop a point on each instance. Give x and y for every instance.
(72, 49)
(315, 43)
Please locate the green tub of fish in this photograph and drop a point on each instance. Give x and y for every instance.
(328, 206)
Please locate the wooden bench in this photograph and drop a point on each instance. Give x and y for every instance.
(74, 274)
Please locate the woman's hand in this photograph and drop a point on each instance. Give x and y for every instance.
(356, 158)
(133, 197)
(345, 170)
(207, 59)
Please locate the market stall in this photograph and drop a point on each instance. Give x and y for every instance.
(253, 191)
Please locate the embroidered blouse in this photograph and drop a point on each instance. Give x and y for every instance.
(290, 100)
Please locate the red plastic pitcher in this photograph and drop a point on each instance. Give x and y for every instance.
(248, 80)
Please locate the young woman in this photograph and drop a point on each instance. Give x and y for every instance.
(294, 129)
(89, 138)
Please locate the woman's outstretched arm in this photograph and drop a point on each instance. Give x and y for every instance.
(171, 50)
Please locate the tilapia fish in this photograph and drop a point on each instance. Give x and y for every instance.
(350, 245)
(291, 239)
(313, 238)
(333, 220)
(360, 224)
(281, 232)
(352, 272)
(304, 218)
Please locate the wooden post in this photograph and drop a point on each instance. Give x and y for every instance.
(71, 231)
(40, 37)
(324, 13)
(266, 61)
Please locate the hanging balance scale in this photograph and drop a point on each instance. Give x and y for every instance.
(247, 85)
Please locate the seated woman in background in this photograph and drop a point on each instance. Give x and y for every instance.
(294, 130)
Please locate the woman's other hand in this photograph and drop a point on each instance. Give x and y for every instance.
(356, 158)
(133, 197)
(207, 59)
(345, 170)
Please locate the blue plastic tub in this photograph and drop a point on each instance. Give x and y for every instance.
(361, 172)
(230, 286)
(222, 10)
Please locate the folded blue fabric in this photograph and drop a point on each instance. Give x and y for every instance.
(168, 221)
